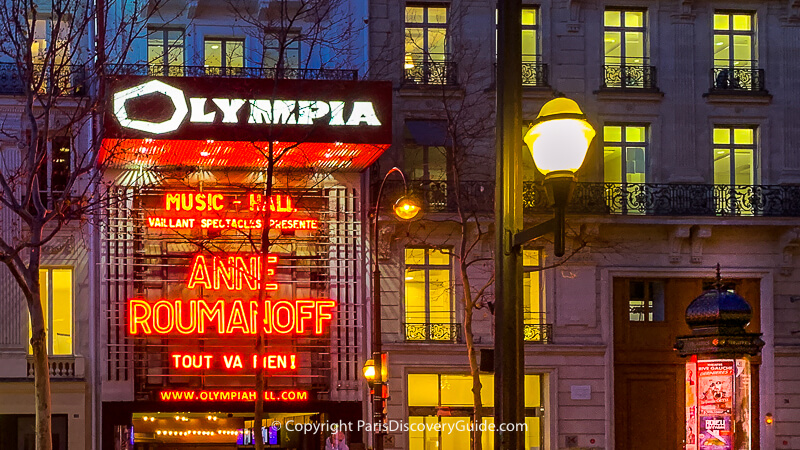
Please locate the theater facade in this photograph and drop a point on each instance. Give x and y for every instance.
(234, 218)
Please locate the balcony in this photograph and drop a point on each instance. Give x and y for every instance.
(674, 199)
(429, 69)
(433, 332)
(534, 74)
(61, 367)
(69, 80)
(741, 77)
(536, 330)
(629, 76)
(157, 70)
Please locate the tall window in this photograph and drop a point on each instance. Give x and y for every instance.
(290, 50)
(734, 166)
(54, 173)
(56, 296)
(532, 72)
(426, 53)
(625, 38)
(624, 162)
(536, 329)
(445, 401)
(428, 299)
(224, 56)
(52, 56)
(734, 51)
(165, 51)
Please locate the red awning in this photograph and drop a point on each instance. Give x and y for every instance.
(134, 153)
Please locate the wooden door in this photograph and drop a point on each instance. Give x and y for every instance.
(649, 393)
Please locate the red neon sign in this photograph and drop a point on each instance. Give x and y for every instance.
(233, 273)
(177, 223)
(217, 201)
(198, 316)
(270, 362)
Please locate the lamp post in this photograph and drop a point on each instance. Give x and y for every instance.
(558, 140)
(406, 208)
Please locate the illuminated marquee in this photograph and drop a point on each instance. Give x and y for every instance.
(220, 395)
(200, 203)
(202, 317)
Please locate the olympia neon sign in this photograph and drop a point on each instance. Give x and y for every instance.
(236, 110)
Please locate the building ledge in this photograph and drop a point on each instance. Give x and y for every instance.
(628, 94)
(738, 97)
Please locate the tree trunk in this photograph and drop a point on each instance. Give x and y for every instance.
(474, 370)
(41, 375)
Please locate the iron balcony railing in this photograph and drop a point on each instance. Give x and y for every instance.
(674, 199)
(429, 68)
(160, 70)
(70, 80)
(652, 199)
(536, 330)
(741, 76)
(534, 74)
(629, 76)
(433, 332)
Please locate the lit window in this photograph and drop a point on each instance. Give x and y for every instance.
(734, 40)
(625, 44)
(56, 296)
(224, 56)
(646, 301)
(431, 394)
(426, 45)
(536, 329)
(165, 51)
(625, 162)
(428, 300)
(734, 166)
(532, 74)
(54, 175)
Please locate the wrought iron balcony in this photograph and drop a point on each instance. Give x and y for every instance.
(536, 330)
(629, 76)
(673, 199)
(70, 80)
(743, 78)
(631, 199)
(534, 74)
(433, 332)
(426, 69)
(286, 73)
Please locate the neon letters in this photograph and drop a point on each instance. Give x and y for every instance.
(219, 317)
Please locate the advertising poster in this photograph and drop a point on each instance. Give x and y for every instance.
(742, 408)
(715, 379)
(691, 405)
(715, 433)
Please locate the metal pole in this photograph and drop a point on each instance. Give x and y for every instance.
(509, 358)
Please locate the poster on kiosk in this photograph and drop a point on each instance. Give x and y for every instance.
(718, 405)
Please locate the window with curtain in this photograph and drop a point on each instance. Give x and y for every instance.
(56, 292)
(431, 394)
(428, 295)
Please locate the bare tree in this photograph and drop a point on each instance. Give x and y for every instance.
(55, 54)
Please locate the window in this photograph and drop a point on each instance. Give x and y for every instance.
(56, 295)
(625, 38)
(624, 162)
(49, 57)
(734, 166)
(426, 154)
(224, 56)
(533, 72)
(426, 59)
(290, 51)
(430, 395)
(734, 52)
(646, 301)
(165, 55)
(55, 172)
(428, 303)
(536, 327)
